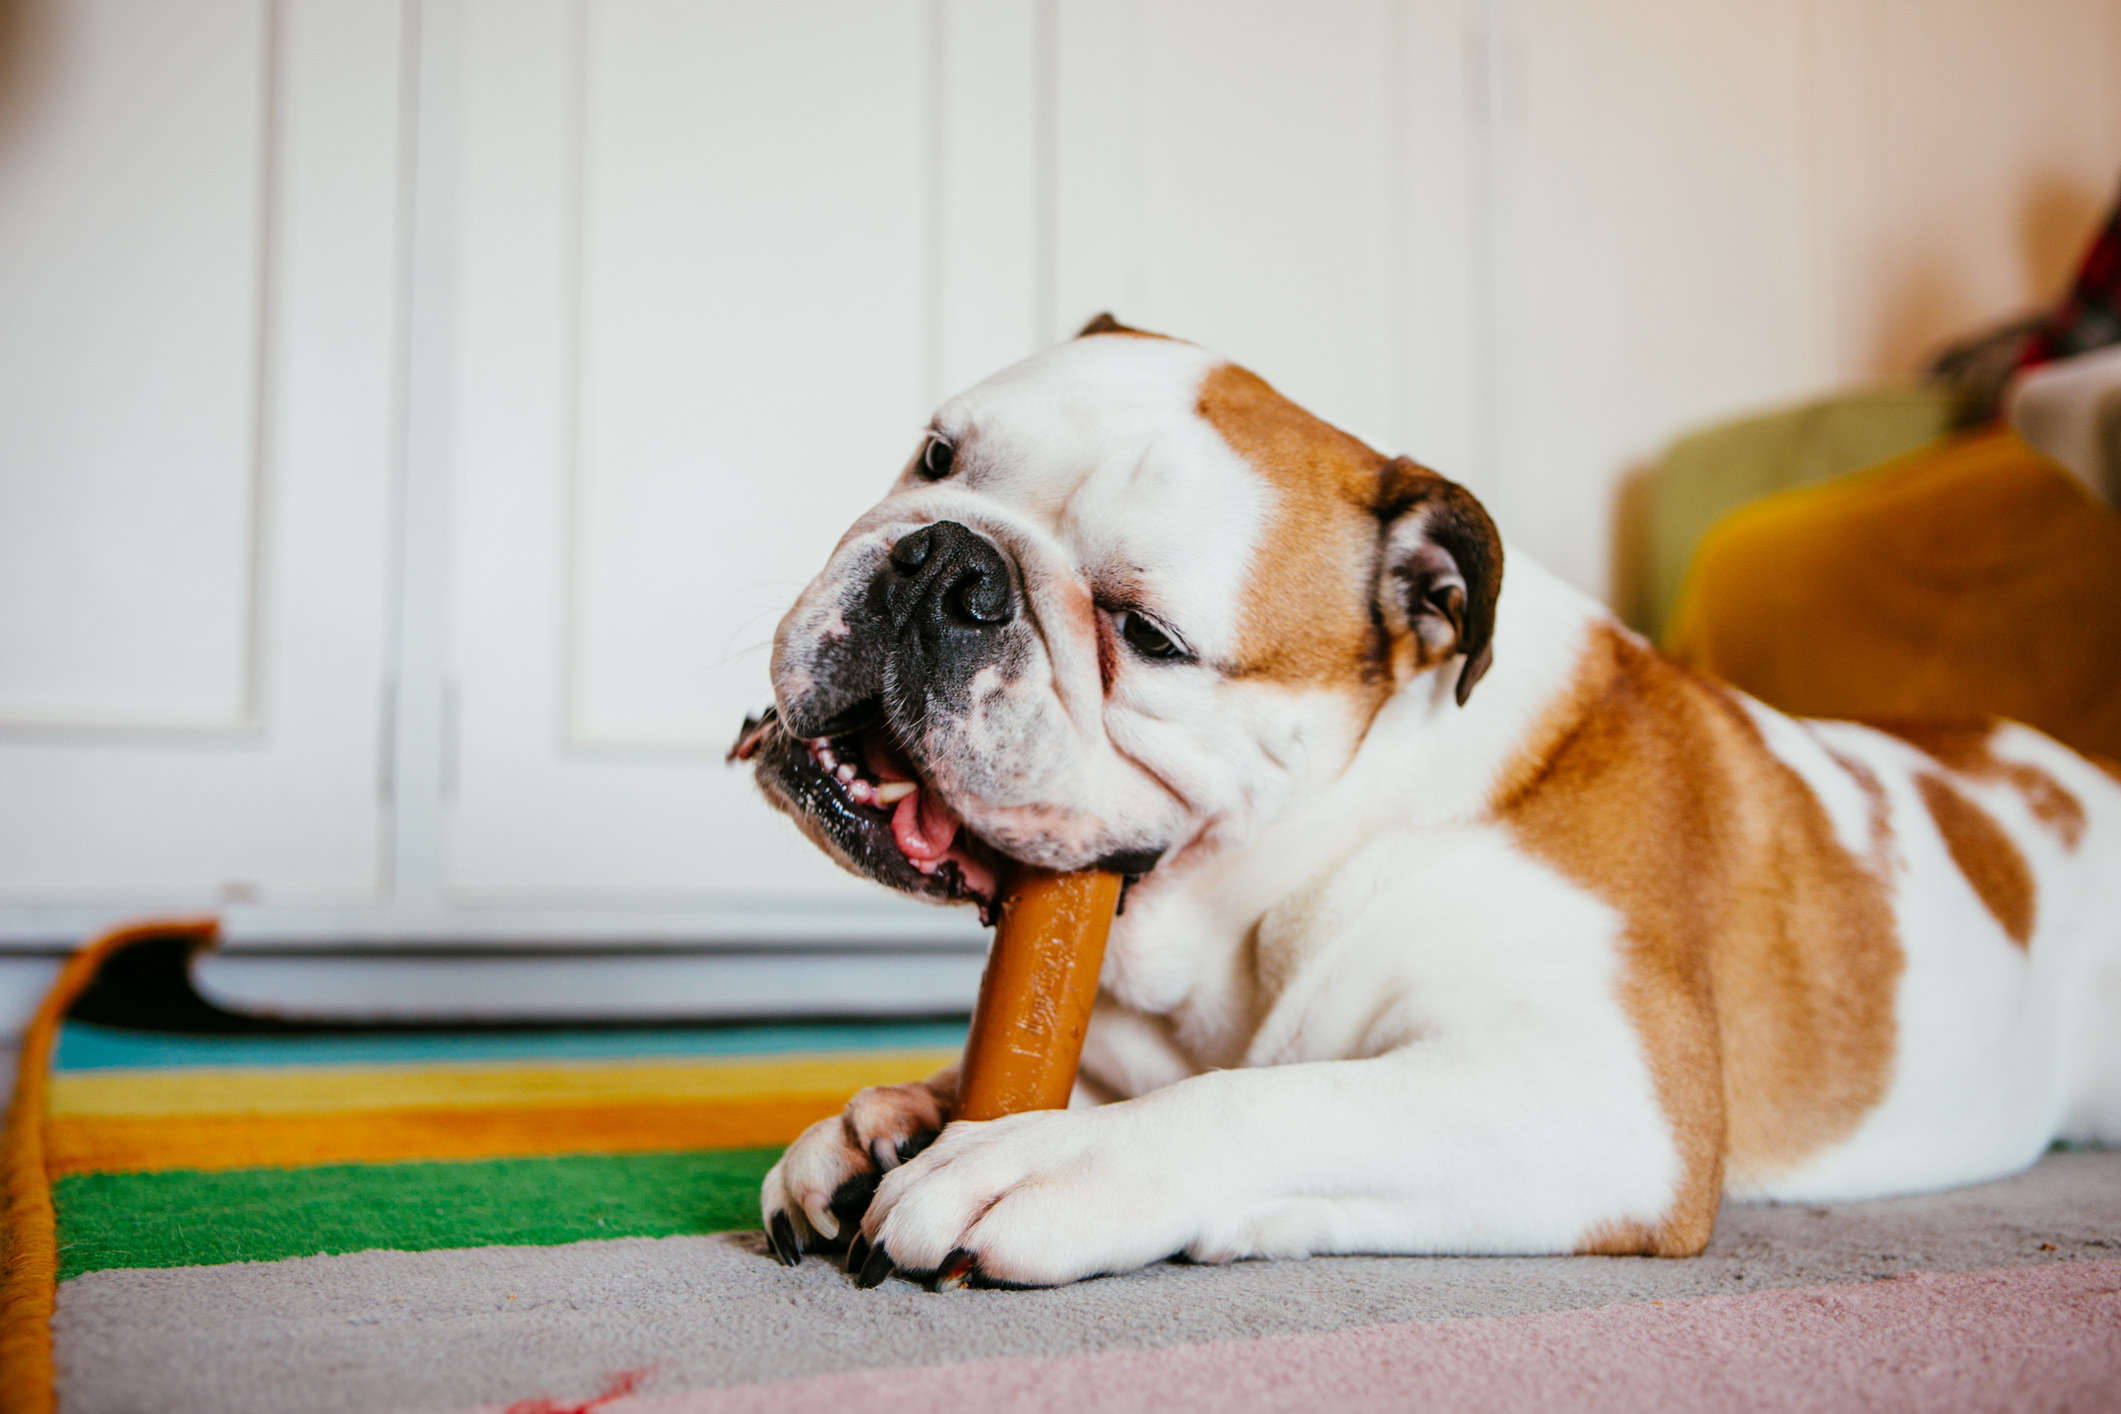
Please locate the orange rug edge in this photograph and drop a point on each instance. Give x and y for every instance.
(29, 1243)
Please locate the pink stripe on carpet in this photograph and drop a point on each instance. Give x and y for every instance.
(2030, 1338)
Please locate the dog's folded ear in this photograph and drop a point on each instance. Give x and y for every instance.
(1439, 575)
(1106, 324)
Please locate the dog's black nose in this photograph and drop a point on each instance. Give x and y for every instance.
(949, 576)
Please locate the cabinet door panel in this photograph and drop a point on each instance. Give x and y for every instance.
(129, 374)
(1285, 183)
(198, 283)
(752, 317)
(699, 330)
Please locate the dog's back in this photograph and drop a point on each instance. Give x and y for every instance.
(1908, 936)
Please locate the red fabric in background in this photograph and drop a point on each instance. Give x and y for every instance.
(2089, 317)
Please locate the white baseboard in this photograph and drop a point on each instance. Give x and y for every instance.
(734, 959)
(886, 923)
(589, 987)
(548, 986)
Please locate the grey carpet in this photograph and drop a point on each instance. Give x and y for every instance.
(429, 1331)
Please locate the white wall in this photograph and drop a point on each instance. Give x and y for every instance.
(413, 417)
(1701, 209)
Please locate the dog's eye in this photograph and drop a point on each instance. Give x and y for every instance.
(935, 458)
(1146, 638)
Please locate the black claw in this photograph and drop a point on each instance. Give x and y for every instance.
(875, 1269)
(781, 1234)
(908, 1148)
(857, 1252)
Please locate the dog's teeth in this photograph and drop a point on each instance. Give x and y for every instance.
(845, 773)
(861, 792)
(892, 792)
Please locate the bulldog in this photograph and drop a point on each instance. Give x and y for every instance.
(1459, 920)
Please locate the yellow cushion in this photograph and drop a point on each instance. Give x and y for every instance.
(1975, 578)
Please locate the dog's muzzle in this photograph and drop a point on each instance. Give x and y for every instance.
(843, 756)
(939, 607)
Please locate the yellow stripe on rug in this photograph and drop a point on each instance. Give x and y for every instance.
(134, 1144)
(318, 1090)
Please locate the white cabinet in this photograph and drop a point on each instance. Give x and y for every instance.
(199, 312)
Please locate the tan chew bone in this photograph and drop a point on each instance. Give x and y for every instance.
(1036, 995)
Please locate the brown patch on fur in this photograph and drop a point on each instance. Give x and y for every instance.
(1960, 745)
(1879, 808)
(1306, 616)
(1760, 954)
(1315, 612)
(1968, 748)
(1629, 1240)
(1984, 854)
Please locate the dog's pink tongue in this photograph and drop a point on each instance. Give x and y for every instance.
(924, 827)
(927, 833)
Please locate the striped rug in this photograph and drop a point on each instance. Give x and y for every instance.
(302, 1145)
(166, 1150)
(560, 1222)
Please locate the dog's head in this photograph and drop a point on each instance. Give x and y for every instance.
(1124, 601)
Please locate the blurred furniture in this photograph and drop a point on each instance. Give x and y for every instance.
(1974, 579)
(2070, 410)
(1706, 476)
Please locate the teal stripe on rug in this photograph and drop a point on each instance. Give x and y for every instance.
(189, 1218)
(84, 1046)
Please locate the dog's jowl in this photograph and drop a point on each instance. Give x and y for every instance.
(1465, 923)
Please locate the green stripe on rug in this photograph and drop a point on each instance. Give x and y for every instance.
(189, 1218)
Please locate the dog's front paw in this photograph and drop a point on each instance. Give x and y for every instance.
(1030, 1200)
(822, 1184)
